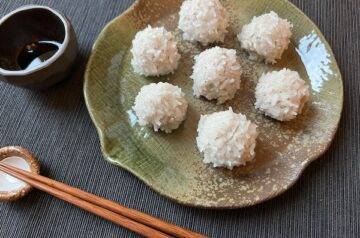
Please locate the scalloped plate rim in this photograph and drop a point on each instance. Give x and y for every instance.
(271, 195)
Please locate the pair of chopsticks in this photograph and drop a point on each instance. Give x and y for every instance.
(133, 220)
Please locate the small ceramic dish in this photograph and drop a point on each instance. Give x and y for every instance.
(11, 188)
(38, 46)
(171, 163)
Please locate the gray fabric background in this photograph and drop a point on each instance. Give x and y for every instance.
(55, 125)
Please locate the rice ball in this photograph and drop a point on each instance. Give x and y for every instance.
(226, 139)
(154, 52)
(203, 20)
(216, 74)
(266, 37)
(281, 94)
(160, 105)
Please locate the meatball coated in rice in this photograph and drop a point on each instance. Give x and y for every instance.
(162, 106)
(217, 74)
(266, 37)
(281, 94)
(204, 21)
(226, 139)
(154, 52)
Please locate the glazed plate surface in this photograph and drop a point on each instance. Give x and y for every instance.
(170, 163)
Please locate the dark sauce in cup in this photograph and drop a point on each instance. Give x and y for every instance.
(36, 53)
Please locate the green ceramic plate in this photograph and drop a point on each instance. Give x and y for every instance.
(170, 163)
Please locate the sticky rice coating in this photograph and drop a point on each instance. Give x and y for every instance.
(281, 94)
(226, 139)
(204, 21)
(154, 52)
(266, 37)
(216, 74)
(162, 106)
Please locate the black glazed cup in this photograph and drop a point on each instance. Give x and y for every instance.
(30, 24)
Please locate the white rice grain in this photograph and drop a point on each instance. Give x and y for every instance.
(162, 106)
(226, 139)
(217, 74)
(266, 37)
(203, 20)
(154, 52)
(281, 94)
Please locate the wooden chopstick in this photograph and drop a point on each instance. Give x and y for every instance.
(126, 217)
(106, 214)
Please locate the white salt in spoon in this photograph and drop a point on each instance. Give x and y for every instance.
(12, 188)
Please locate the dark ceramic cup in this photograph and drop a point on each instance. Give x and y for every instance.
(29, 24)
